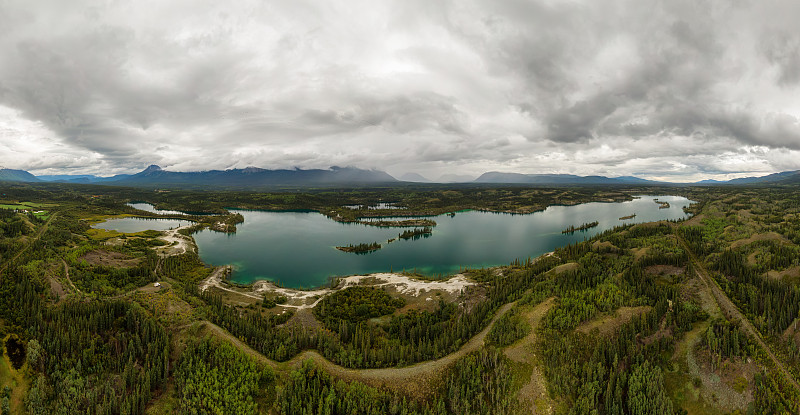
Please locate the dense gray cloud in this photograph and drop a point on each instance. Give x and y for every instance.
(666, 89)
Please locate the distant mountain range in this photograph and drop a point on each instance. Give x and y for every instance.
(9, 175)
(415, 177)
(253, 177)
(497, 177)
(250, 177)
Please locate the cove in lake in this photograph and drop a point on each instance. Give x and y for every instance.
(133, 225)
(297, 249)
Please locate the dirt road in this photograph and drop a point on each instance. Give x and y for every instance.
(419, 380)
(732, 312)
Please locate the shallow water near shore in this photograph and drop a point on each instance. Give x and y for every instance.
(297, 249)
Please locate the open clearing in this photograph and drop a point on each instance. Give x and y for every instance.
(533, 393)
(768, 236)
(110, 259)
(608, 323)
(177, 243)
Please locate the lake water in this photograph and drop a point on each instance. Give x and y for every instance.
(297, 249)
(133, 225)
(150, 208)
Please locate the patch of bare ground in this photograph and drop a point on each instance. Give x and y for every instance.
(425, 300)
(695, 290)
(638, 253)
(789, 274)
(401, 285)
(569, 266)
(664, 270)
(608, 323)
(164, 304)
(56, 288)
(696, 220)
(532, 396)
(605, 246)
(304, 317)
(767, 236)
(110, 259)
(177, 243)
(729, 386)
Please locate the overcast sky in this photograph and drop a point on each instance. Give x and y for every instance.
(674, 90)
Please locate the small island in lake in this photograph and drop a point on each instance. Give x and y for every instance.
(407, 223)
(360, 248)
(416, 233)
(585, 226)
(661, 205)
(628, 217)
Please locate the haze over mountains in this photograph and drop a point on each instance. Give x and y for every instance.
(253, 177)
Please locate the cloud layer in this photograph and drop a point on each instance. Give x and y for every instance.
(673, 89)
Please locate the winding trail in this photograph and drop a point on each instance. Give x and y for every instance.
(419, 380)
(533, 393)
(66, 275)
(732, 312)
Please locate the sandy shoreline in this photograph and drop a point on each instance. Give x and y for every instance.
(300, 299)
(177, 243)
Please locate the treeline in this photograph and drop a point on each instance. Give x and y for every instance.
(361, 248)
(416, 233)
(583, 227)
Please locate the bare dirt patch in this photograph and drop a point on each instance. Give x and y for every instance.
(664, 270)
(789, 274)
(569, 266)
(400, 285)
(728, 386)
(607, 324)
(639, 253)
(696, 220)
(110, 259)
(177, 243)
(303, 317)
(56, 288)
(604, 246)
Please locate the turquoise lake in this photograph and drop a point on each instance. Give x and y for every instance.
(297, 249)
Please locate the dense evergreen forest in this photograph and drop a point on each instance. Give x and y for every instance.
(699, 316)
